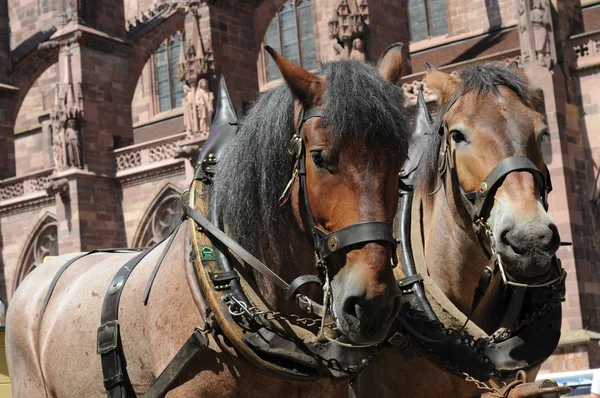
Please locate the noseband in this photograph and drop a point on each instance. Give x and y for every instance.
(479, 203)
(343, 240)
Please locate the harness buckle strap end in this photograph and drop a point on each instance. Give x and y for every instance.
(406, 283)
(108, 337)
(222, 280)
(114, 381)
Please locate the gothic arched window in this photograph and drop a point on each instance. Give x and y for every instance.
(290, 33)
(427, 19)
(162, 216)
(42, 242)
(169, 89)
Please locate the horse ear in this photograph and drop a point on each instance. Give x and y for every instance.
(443, 84)
(391, 62)
(305, 86)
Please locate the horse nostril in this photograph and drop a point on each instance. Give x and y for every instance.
(352, 307)
(511, 238)
(504, 238)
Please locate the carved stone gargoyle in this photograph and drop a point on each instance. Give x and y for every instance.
(59, 186)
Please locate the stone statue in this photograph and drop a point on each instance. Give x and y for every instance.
(348, 28)
(204, 104)
(358, 50)
(72, 141)
(189, 113)
(540, 16)
(58, 146)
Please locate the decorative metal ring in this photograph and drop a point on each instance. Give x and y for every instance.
(483, 189)
(332, 243)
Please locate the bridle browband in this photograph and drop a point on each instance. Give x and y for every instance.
(343, 240)
(479, 203)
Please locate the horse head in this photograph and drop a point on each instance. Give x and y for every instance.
(491, 131)
(351, 155)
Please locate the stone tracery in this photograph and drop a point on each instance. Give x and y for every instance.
(42, 243)
(160, 219)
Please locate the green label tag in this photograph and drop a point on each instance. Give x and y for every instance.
(207, 253)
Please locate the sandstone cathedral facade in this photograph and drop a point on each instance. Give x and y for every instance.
(104, 105)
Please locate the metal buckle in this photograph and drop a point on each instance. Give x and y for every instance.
(399, 341)
(106, 345)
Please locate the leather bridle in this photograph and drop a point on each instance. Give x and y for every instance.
(479, 203)
(343, 240)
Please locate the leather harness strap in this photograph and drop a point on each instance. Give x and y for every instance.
(216, 233)
(51, 288)
(197, 342)
(157, 266)
(109, 348)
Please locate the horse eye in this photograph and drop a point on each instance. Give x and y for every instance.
(317, 159)
(544, 135)
(457, 136)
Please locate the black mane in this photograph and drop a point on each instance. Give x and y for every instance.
(359, 105)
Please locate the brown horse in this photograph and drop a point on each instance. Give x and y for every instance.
(353, 154)
(488, 114)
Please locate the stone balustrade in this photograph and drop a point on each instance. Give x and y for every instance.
(587, 49)
(14, 187)
(147, 153)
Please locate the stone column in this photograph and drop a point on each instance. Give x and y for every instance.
(235, 50)
(388, 24)
(95, 65)
(548, 62)
(7, 154)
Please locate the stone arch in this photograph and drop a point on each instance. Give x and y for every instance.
(160, 218)
(270, 16)
(263, 15)
(146, 42)
(30, 61)
(42, 242)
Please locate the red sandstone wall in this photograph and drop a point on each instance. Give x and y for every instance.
(591, 18)
(33, 151)
(39, 101)
(26, 18)
(477, 16)
(589, 93)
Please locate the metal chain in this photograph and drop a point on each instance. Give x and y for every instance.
(503, 334)
(493, 391)
(238, 308)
